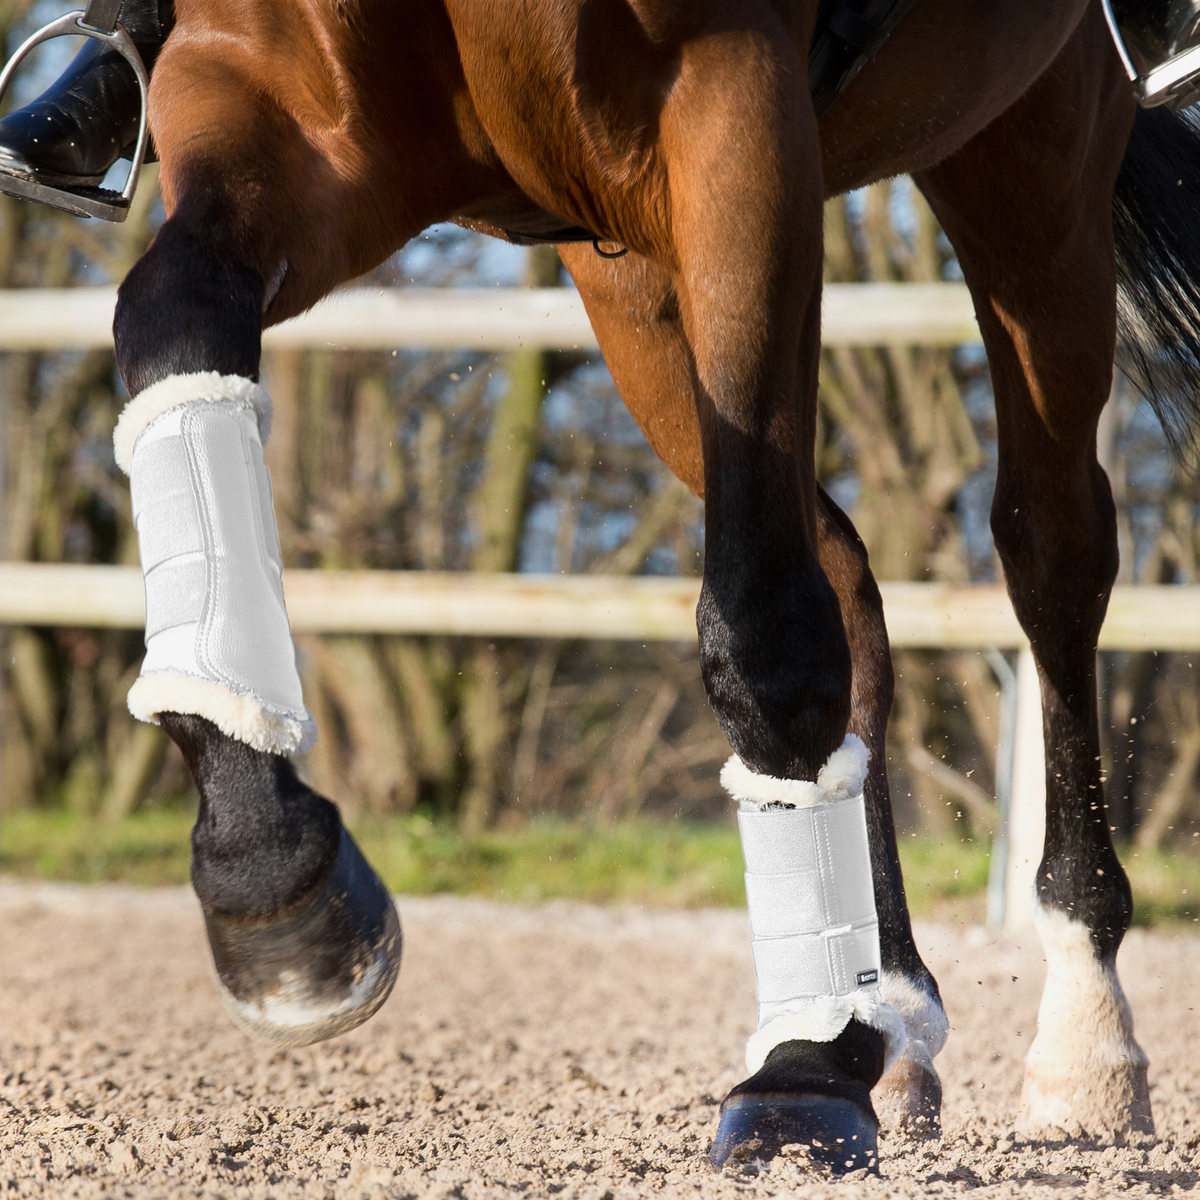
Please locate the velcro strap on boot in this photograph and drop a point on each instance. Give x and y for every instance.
(811, 899)
(218, 643)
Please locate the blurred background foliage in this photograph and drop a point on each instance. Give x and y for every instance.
(528, 461)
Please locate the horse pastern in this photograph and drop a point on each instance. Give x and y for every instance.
(1085, 1073)
(909, 1097)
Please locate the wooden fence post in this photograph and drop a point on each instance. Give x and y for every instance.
(1027, 805)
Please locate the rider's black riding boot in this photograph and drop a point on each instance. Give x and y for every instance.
(71, 134)
(1159, 42)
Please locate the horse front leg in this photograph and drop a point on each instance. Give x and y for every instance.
(745, 214)
(304, 936)
(777, 667)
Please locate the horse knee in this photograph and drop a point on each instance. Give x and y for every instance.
(776, 666)
(190, 304)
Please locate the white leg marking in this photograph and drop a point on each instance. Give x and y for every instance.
(910, 1093)
(1084, 1073)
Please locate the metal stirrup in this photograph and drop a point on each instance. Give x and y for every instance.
(1171, 82)
(99, 20)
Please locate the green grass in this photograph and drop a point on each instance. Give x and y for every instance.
(150, 848)
(683, 865)
(1166, 887)
(946, 879)
(679, 864)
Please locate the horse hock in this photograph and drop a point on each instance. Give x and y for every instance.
(825, 1037)
(317, 951)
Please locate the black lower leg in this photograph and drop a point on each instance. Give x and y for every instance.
(1080, 874)
(1060, 599)
(262, 840)
(303, 934)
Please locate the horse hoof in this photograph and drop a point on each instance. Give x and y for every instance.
(830, 1133)
(813, 1098)
(318, 968)
(909, 1100)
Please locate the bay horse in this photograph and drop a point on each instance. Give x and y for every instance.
(302, 142)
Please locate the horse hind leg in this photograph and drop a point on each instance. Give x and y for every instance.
(909, 1097)
(635, 312)
(1032, 228)
(303, 934)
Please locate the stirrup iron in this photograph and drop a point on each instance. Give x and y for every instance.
(99, 22)
(1171, 76)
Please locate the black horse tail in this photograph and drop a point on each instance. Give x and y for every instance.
(1156, 222)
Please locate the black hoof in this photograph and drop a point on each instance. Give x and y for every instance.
(319, 967)
(814, 1096)
(303, 933)
(832, 1134)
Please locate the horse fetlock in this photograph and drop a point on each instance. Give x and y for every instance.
(1067, 880)
(1085, 1072)
(260, 845)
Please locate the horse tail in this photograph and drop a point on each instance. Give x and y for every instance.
(1156, 223)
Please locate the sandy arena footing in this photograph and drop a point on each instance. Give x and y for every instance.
(561, 1050)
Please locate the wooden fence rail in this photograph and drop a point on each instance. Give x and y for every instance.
(919, 614)
(932, 615)
(929, 615)
(853, 314)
